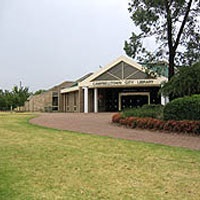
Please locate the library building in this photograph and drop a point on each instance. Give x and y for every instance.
(119, 85)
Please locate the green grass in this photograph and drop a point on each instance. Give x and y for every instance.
(40, 163)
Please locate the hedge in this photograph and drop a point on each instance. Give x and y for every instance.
(186, 108)
(184, 126)
(152, 110)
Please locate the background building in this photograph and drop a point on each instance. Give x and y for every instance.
(48, 101)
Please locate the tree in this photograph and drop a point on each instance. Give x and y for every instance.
(14, 98)
(175, 26)
(6, 100)
(19, 95)
(184, 83)
(2, 100)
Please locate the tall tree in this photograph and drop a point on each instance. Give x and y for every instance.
(175, 25)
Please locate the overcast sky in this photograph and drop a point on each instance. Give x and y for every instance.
(46, 42)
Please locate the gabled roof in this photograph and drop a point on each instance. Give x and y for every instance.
(74, 85)
(61, 85)
(117, 72)
(108, 67)
(83, 77)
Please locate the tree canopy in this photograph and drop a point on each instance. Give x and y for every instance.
(175, 25)
(185, 82)
(14, 98)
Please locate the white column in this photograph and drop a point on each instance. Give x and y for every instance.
(85, 99)
(164, 100)
(95, 100)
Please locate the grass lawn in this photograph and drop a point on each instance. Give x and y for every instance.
(40, 163)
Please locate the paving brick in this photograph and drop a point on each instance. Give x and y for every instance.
(100, 124)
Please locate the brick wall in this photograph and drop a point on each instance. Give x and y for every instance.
(43, 102)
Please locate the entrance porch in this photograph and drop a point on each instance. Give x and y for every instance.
(117, 99)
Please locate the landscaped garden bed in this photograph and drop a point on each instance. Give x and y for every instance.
(184, 126)
(181, 116)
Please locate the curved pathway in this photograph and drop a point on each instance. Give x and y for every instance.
(100, 124)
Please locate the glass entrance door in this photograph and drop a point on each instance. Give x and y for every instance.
(133, 100)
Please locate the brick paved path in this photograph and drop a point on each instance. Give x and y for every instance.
(100, 124)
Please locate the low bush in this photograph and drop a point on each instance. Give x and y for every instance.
(184, 126)
(186, 108)
(153, 111)
(116, 117)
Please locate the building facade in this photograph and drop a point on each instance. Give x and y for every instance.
(119, 85)
(49, 101)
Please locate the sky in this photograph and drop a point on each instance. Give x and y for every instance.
(46, 42)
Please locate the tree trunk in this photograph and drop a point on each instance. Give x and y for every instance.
(171, 65)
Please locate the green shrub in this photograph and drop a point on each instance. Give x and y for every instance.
(153, 111)
(186, 108)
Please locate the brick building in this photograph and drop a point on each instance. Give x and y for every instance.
(51, 100)
(119, 85)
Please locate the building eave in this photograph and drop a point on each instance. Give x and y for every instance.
(89, 80)
(71, 89)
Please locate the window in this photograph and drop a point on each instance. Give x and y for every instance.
(75, 96)
(55, 101)
(55, 94)
(67, 99)
(75, 100)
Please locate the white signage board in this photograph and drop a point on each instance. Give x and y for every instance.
(125, 82)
